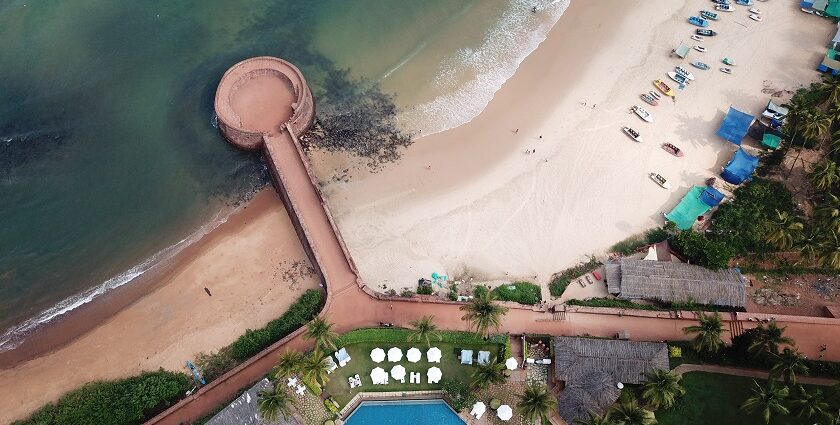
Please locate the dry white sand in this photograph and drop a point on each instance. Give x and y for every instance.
(490, 209)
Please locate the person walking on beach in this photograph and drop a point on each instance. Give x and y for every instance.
(516, 131)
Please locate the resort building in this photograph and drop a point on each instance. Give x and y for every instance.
(595, 370)
(674, 282)
(243, 410)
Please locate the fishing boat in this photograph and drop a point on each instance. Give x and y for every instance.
(642, 113)
(724, 8)
(633, 134)
(661, 181)
(700, 49)
(726, 70)
(728, 61)
(721, 1)
(696, 37)
(685, 73)
(671, 149)
(755, 17)
(708, 33)
(679, 78)
(650, 100)
(700, 65)
(709, 15)
(700, 22)
(756, 11)
(667, 91)
(655, 95)
(745, 2)
(808, 11)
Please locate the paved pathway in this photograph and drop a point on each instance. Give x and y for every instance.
(750, 373)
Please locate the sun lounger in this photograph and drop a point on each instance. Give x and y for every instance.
(292, 382)
(342, 356)
(483, 357)
(580, 282)
(300, 390)
(589, 279)
(529, 361)
(466, 357)
(414, 378)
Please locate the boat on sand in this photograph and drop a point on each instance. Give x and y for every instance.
(696, 37)
(700, 49)
(706, 32)
(726, 70)
(667, 91)
(661, 181)
(700, 65)
(655, 95)
(633, 134)
(650, 100)
(684, 72)
(642, 113)
(709, 15)
(755, 17)
(673, 150)
(700, 22)
(678, 78)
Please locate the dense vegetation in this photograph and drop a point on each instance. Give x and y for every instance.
(560, 280)
(125, 401)
(660, 306)
(395, 335)
(634, 243)
(521, 292)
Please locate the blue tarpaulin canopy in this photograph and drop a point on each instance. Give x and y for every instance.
(711, 196)
(734, 127)
(740, 167)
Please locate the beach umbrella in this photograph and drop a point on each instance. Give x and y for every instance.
(413, 355)
(377, 355)
(511, 363)
(434, 374)
(378, 375)
(433, 355)
(398, 372)
(394, 354)
(478, 409)
(504, 412)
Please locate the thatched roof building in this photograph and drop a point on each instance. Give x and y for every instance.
(596, 393)
(675, 282)
(243, 410)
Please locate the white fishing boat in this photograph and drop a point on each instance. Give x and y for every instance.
(679, 78)
(633, 134)
(726, 70)
(696, 37)
(756, 11)
(700, 49)
(642, 113)
(661, 181)
(755, 17)
(655, 95)
(685, 73)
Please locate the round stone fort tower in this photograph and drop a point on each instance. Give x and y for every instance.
(262, 97)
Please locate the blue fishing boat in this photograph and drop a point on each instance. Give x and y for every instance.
(700, 65)
(744, 2)
(709, 15)
(700, 22)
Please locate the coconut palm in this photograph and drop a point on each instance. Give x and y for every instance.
(628, 412)
(320, 331)
(536, 403)
(815, 124)
(708, 333)
(488, 373)
(825, 175)
(662, 388)
(769, 401)
(315, 368)
(288, 363)
(810, 243)
(829, 211)
(274, 403)
(595, 419)
(828, 250)
(483, 313)
(809, 405)
(425, 330)
(768, 339)
(782, 230)
(832, 86)
(789, 364)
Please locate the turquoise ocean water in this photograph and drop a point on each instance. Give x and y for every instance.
(109, 158)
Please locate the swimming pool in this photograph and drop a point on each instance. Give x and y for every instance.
(412, 412)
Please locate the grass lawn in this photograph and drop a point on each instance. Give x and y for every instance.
(362, 364)
(715, 399)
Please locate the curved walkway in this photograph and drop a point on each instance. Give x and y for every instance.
(749, 373)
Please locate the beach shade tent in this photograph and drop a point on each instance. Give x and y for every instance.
(686, 212)
(342, 356)
(434, 374)
(398, 372)
(331, 366)
(466, 356)
(830, 63)
(681, 51)
(770, 140)
(511, 363)
(483, 357)
(433, 355)
(394, 354)
(711, 196)
(774, 110)
(377, 355)
(413, 355)
(378, 375)
(739, 168)
(832, 9)
(819, 5)
(504, 412)
(735, 126)
(478, 410)
(806, 3)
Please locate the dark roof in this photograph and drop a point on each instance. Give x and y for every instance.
(577, 359)
(676, 282)
(243, 410)
(594, 393)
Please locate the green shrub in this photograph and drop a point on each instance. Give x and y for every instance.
(397, 335)
(560, 280)
(125, 401)
(703, 251)
(331, 405)
(407, 293)
(521, 292)
(479, 291)
(301, 312)
(453, 291)
(458, 393)
(627, 304)
(424, 287)
(313, 386)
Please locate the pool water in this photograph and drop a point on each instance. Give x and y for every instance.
(412, 412)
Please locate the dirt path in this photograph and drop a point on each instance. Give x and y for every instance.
(750, 373)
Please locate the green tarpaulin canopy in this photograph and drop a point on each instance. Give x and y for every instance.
(771, 140)
(686, 212)
(682, 50)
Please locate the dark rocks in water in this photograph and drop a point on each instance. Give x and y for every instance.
(18, 149)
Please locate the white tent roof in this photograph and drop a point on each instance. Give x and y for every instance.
(434, 373)
(413, 355)
(433, 355)
(398, 372)
(504, 412)
(511, 363)
(377, 355)
(478, 409)
(378, 375)
(394, 354)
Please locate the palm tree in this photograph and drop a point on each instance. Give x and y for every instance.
(483, 314)
(315, 368)
(628, 412)
(594, 419)
(768, 339)
(271, 404)
(425, 330)
(767, 400)
(488, 373)
(815, 124)
(829, 211)
(808, 404)
(708, 333)
(832, 86)
(536, 403)
(288, 363)
(810, 243)
(782, 230)
(321, 332)
(825, 175)
(828, 250)
(662, 388)
(789, 364)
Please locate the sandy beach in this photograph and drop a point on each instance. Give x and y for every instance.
(254, 266)
(470, 201)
